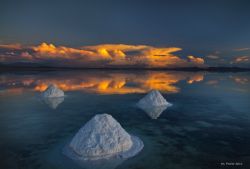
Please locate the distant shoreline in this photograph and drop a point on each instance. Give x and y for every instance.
(191, 69)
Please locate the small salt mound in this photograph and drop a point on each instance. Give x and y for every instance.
(53, 91)
(153, 99)
(103, 137)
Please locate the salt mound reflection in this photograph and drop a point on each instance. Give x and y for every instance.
(154, 112)
(53, 102)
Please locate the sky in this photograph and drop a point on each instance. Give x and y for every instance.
(126, 33)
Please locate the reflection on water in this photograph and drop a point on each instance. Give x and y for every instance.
(154, 112)
(109, 82)
(53, 102)
(62, 161)
(209, 121)
(241, 79)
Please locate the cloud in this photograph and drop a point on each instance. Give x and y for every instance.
(26, 55)
(241, 59)
(50, 51)
(104, 55)
(213, 57)
(196, 60)
(11, 46)
(242, 49)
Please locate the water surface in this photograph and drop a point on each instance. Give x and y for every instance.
(208, 124)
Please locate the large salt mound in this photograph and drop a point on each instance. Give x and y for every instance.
(102, 137)
(53, 91)
(153, 99)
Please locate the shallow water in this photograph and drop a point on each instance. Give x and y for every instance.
(208, 124)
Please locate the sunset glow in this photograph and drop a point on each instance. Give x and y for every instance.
(106, 55)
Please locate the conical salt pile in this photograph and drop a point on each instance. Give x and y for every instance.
(153, 99)
(53, 91)
(103, 137)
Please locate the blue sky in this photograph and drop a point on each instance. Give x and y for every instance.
(199, 28)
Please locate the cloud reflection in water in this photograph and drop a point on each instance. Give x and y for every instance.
(102, 82)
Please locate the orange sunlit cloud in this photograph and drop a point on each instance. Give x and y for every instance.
(105, 55)
(11, 46)
(242, 59)
(198, 61)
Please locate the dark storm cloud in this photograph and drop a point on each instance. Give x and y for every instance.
(187, 23)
